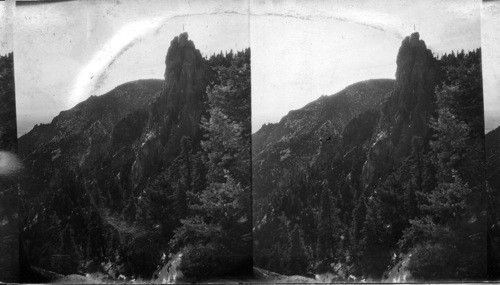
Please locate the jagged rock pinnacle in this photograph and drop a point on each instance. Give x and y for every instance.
(177, 112)
(413, 50)
(406, 114)
(185, 73)
(416, 74)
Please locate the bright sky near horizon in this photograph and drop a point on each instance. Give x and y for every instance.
(6, 12)
(67, 51)
(302, 50)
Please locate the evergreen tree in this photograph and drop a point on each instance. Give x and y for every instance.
(156, 207)
(452, 215)
(219, 224)
(328, 230)
(298, 255)
(376, 241)
(96, 240)
(69, 249)
(359, 216)
(199, 173)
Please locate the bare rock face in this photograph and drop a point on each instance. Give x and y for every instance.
(132, 132)
(186, 78)
(414, 98)
(177, 112)
(186, 73)
(106, 149)
(406, 114)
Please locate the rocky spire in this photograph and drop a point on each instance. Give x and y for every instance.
(186, 73)
(413, 101)
(416, 73)
(177, 112)
(407, 112)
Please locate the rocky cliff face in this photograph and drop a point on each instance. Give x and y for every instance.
(101, 153)
(406, 114)
(177, 112)
(137, 126)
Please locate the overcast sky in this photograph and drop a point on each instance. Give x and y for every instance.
(67, 51)
(302, 50)
(6, 12)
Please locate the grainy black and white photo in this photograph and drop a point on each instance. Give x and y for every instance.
(9, 165)
(368, 141)
(134, 122)
(249, 141)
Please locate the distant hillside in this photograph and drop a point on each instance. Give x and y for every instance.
(87, 126)
(302, 136)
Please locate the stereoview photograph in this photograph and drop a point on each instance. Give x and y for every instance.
(266, 141)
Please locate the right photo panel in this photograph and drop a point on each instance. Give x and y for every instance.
(491, 82)
(368, 142)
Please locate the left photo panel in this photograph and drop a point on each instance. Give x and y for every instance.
(9, 164)
(134, 136)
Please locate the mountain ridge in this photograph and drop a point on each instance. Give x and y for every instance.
(94, 101)
(318, 119)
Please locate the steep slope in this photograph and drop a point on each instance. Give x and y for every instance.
(338, 177)
(58, 160)
(303, 136)
(407, 113)
(133, 119)
(312, 134)
(175, 114)
(77, 136)
(85, 167)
